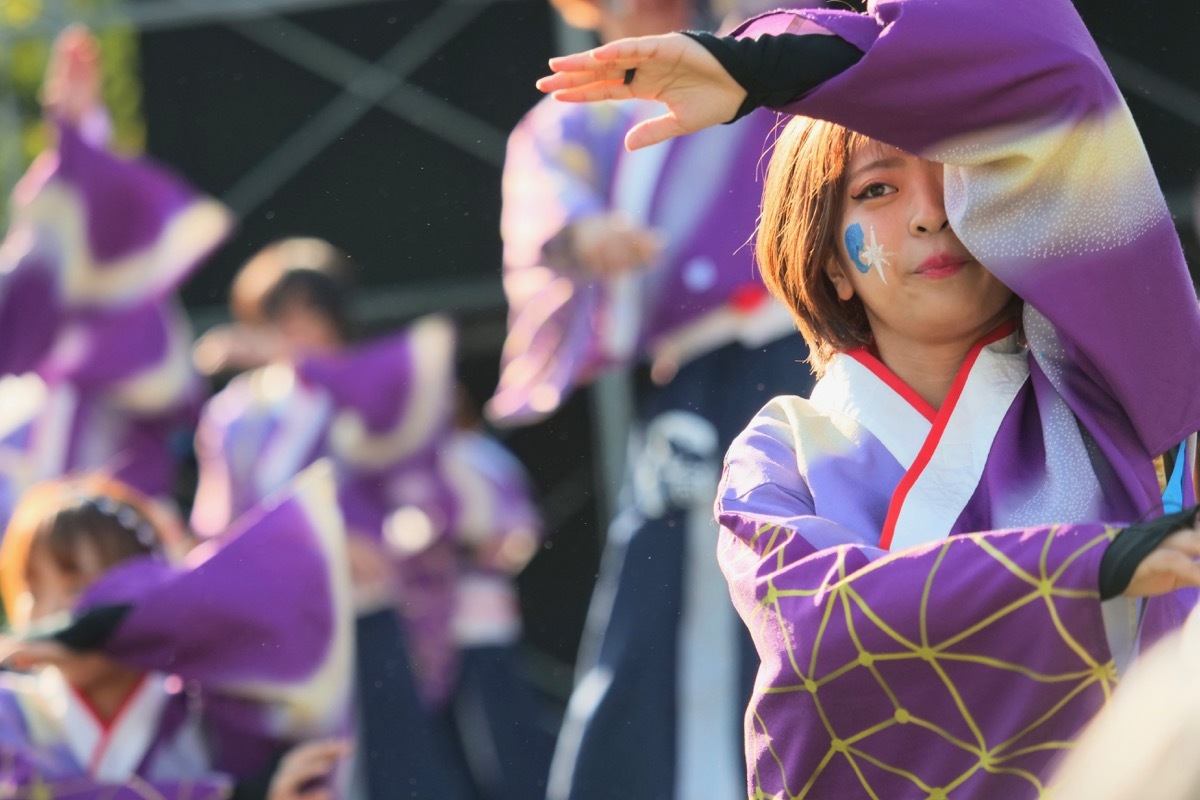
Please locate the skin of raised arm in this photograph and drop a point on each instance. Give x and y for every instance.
(671, 69)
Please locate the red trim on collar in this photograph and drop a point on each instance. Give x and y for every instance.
(940, 420)
(869, 360)
(106, 726)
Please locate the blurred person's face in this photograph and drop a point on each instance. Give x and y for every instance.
(50, 590)
(303, 330)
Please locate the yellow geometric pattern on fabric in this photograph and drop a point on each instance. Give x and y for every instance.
(991, 757)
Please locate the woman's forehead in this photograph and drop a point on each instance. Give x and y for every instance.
(864, 150)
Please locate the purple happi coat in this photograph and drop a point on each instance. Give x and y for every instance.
(496, 528)
(246, 652)
(379, 411)
(921, 583)
(95, 363)
(566, 162)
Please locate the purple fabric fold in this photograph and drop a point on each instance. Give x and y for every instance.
(259, 607)
(869, 684)
(95, 246)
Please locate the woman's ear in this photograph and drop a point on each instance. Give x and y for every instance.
(841, 282)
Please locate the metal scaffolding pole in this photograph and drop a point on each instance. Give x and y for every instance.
(364, 92)
(406, 102)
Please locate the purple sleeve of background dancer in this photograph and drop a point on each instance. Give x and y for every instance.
(92, 233)
(263, 615)
(559, 168)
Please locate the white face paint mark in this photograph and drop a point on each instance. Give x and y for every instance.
(873, 255)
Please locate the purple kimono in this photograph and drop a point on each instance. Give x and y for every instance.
(95, 357)
(566, 326)
(244, 654)
(921, 584)
(379, 411)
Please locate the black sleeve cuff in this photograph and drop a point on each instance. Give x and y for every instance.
(776, 70)
(1133, 544)
(92, 629)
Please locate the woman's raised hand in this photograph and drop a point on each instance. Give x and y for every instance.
(673, 69)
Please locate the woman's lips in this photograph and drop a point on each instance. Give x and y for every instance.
(941, 266)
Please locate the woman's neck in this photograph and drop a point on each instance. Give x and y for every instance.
(107, 696)
(928, 370)
(929, 367)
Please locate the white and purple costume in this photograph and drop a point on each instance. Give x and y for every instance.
(242, 657)
(922, 584)
(95, 361)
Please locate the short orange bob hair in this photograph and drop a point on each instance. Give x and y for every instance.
(798, 234)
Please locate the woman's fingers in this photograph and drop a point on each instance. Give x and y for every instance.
(653, 131)
(654, 57)
(1165, 569)
(1181, 567)
(622, 54)
(592, 92)
(673, 69)
(574, 80)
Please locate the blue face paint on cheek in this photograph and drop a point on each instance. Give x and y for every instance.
(854, 246)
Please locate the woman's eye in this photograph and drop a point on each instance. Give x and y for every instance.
(874, 190)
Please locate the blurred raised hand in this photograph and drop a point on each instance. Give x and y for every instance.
(672, 69)
(71, 90)
(610, 244)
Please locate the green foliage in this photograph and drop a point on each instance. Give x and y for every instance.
(23, 131)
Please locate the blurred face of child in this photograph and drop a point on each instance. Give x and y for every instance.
(898, 254)
(54, 590)
(304, 329)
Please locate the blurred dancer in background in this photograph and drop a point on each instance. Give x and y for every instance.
(497, 529)
(380, 410)
(94, 350)
(615, 259)
(219, 675)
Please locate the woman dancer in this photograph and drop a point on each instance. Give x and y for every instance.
(985, 314)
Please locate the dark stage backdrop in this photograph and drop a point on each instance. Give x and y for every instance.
(255, 111)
